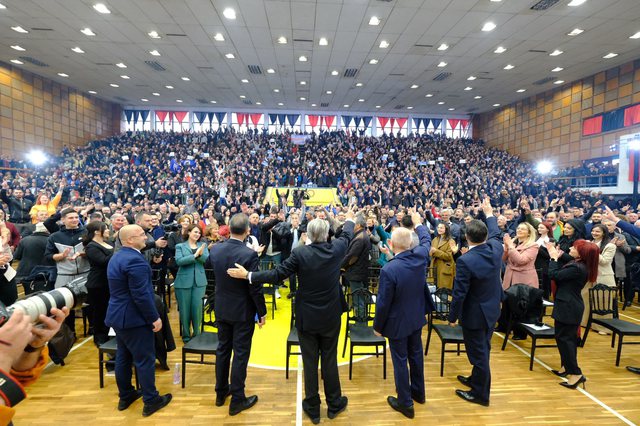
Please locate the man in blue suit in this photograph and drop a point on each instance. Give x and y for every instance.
(402, 303)
(133, 315)
(477, 293)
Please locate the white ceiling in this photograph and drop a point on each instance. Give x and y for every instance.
(252, 38)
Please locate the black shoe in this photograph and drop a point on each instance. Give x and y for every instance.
(221, 398)
(314, 417)
(290, 295)
(332, 414)
(580, 381)
(559, 373)
(239, 407)
(634, 369)
(123, 404)
(160, 402)
(519, 338)
(627, 303)
(465, 380)
(418, 399)
(468, 396)
(163, 365)
(406, 411)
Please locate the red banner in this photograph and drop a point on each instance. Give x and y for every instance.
(383, 122)
(401, 122)
(241, 118)
(255, 118)
(632, 115)
(180, 115)
(592, 126)
(453, 123)
(464, 124)
(328, 120)
(162, 115)
(313, 120)
(393, 123)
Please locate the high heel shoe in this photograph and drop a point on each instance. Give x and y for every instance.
(581, 380)
(559, 373)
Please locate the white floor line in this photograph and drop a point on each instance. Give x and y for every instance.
(627, 316)
(584, 392)
(299, 393)
(72, 349)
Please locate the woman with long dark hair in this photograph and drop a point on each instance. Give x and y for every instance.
(607, 248)
(98, 253)
(568, 307)
(443, 249)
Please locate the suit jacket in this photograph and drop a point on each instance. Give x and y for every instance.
(318, 298)
(98, 257)
(190, 269)
(403, 295)
(568, 305)
(477, 289)
(236, 300)
(132, 303)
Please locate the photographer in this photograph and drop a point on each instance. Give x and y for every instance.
(24, 355)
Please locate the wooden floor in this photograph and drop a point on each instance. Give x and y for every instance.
(519, 396)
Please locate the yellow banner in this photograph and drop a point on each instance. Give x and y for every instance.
(317, 196)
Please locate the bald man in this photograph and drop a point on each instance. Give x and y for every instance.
(402, 303)
(133, 315)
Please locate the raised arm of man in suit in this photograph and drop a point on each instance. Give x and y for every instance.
(424, 236)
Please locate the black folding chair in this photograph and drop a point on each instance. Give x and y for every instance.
(269, 289)
(447, 334)
(205, 343)
(292, 338)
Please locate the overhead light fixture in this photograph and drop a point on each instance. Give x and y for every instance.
(154, 34)
(17, 62)
(313, 105)
(471, 77)
(126, 77)
(323, 41)
(334, 72)
(19, 29)
(280, 104)
(213, 102)
(574, 3)
(414, 86)
(121, 65)
(443, 47)
(270, 71)
(441, 103)
(468, 88)
(373, 61)
(244, 80)
(302, 58)
(428, 95)
(93, 92)
(496, 1)
(2, 6)
(258, 103)
(18, 48)
(558, 82)
(114, 85)
(607, 56)
(144, 100)
(384, 44)
(452, 109)
(185, 79)
(378, 106)
(496, 105)
(282, 40)
(635, 36)
(87, 31)
(229, 13)
(276, 90)
(230, 56)
(359, 84)
(156, 94)
(556, 52)
(242, 97)
(179, 101)
(557, 69)
(101, 8)
(154, 52)
(328, 92)
(169, 87)
(489, 26)
(346, 105)
(521, 90)
(509, 67)
(477, 97)
(61, 74)
(575, 32)
(374, 20)
(442, 64)
(500, 49)
(218, 37)
(303, 83)
(302, 98)
(360, 100)
(77, 49)
(409, 107)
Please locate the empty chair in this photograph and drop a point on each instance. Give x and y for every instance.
(205, 343)
(446, 333)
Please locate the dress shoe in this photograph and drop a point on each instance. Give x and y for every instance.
(152, 407)
(342, 404)
(123, 404)
(290, 295)
(238, 407)
(627, 303)
(581, 381)
(465, 380)
(314, 417)
(418, 399)
(406, 411)
(559, 373)
(468, 396)
(313, 411)
(634, 369)
(519, 338)
(163, 365)
(221, 398)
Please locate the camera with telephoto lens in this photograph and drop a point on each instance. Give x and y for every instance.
(70, 295)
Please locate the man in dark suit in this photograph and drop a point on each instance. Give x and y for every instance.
(133, 315)
(318, 305)
(477, 292)
(402, 303)
(236, 306)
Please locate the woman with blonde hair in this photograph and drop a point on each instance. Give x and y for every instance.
(520, 255)
(43, 203)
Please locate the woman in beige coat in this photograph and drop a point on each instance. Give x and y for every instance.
(443, 247)
(607, 247)
(520, 255)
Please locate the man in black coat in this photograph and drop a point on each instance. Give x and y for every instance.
(237, 305)
(318, 309)
(356, 265)
(30, 253)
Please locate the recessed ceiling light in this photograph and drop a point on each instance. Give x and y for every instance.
(242, 96)
(18, 48)
(302, 58)
(61, 74)
(19, 29)
(244, 80)
(313, 105)
(126, 77)
(496, 105)
(144, 100)
(558, 82)
(213, 102)
(328, 92)
(489, 26)
(409, 107)
(169, 87)
(77, 50)
(635, 36)
(230, 56)
(360, 100)
(557, 69)
(282, 40)
(440, 103)
(414, 86)
(114, 85)
(154, 52)
(179, 101)
(229, 13)
(428, 95)
(218, 37)
(101, 8)
(280, 104)
(346, 105)
(185, 78)
(468, 88)
(471, 77)
(156, 94)
(607, 56)
(121, 65)
(373, 61)
(17, 61)
(477, 97)
(271, 71)
(374, 20)
(302, 98)
(442, 64)
(303, 83)
(2, 6)
(509, 67)
(334, 72)
(575, 32)
(87, 31)
(556, 52)
(153, 34)
(496, 1)
(323, 41)
(359, 84)
(93, 92)
(443, 46)
(521, 90)
(384, 44)
(452, 109)
(500, 49)
(258, 103)
(378, 106)
(576, 2)
(276, 90)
